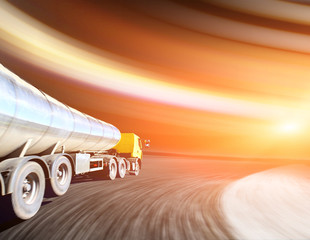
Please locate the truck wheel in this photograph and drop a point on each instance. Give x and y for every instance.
(121, 169)
(28, 190)
(137, 169)
(61, 174)
(112, 169)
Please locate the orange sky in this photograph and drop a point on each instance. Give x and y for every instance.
(197, 77)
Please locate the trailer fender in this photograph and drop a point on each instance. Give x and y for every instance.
(50, 159)
(12, 166)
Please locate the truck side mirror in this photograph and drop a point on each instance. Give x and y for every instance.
(147, 143)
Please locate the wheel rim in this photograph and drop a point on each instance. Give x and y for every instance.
(30, 188)
(62, 174)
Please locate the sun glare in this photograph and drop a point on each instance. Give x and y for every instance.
(289, 127)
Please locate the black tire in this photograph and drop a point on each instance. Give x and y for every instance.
(108, 173)
(61, 175)
(28, 190)
(121, 169)
(137, 169)
(112, 171)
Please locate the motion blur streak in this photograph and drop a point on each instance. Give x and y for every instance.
(271, 9)
(274, 204)
(235, 30)
(171, 199)
(48, 48)
(201, 77)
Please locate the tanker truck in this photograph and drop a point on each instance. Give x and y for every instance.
(44, 143)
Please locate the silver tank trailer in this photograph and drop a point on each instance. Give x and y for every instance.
(27, 113)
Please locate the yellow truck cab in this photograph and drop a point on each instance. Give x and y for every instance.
(130, 147)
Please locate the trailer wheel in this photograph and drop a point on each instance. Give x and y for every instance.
(61, 174)
(137, 169)
(112, 172)
(121, 169)
(28, 190)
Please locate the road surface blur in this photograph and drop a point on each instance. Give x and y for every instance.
(177, 198)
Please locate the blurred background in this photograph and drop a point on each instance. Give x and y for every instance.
(208, 77)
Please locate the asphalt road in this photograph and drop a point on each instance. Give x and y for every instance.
(177, 198)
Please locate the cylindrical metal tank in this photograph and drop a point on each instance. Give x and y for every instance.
(27, 113)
